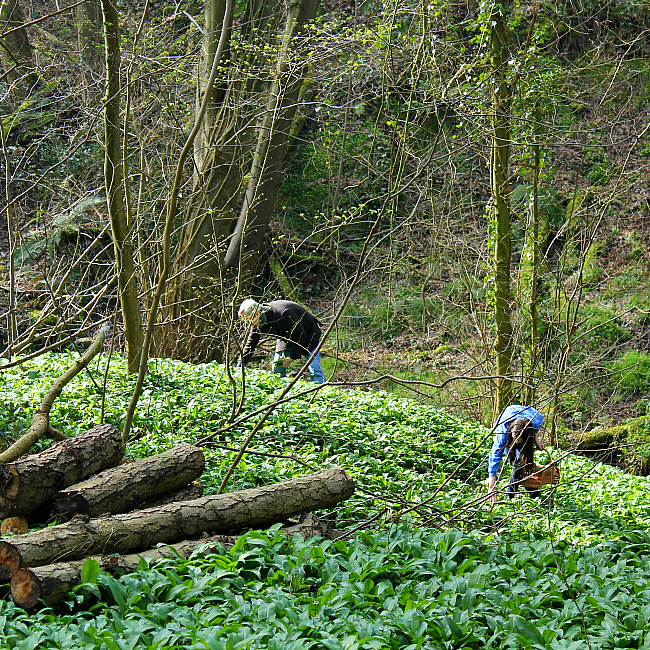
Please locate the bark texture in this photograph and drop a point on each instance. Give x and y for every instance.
(192, 491)
(121, 228)
(51, 584)
(143, 529)
(30, 482)
(130, 485)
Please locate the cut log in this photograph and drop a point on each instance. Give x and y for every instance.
(52, 583)
(192, 491)
(31, 481)
(140, 530)
(130, 485)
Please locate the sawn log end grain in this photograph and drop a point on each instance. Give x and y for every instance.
(9, 561)
(26, 589)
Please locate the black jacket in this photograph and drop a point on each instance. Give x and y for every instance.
(295, 328)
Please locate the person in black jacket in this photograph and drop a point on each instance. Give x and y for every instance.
(297, 332)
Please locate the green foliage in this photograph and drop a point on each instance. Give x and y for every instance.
(498, 583)
(632, 373)
(603, 325)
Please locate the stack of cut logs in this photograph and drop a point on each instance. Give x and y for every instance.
(113, 507)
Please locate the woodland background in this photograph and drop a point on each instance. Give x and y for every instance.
(458, 190)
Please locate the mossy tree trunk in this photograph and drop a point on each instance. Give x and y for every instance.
(273, 139)
(15, 52)
(500, 185)
(122, 231)
(88, 21)
(195, 299)
(206, 277)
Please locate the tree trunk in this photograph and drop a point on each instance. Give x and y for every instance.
(30, 482)
(15, 52)
(122, 231)
(195, 302)
(274, 136)
(143, 529)
(52, 583)
(88, 20)
(128, 486)
(500, 185)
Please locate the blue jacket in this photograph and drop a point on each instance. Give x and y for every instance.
(500, 444)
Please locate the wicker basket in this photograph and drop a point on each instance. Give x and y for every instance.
(549, 475)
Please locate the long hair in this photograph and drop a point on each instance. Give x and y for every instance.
(521, 438)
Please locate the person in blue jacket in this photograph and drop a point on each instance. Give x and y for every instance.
(516, 433)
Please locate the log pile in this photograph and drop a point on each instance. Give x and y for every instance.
(118, 512)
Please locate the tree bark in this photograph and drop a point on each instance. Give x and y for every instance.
(17, 56)
(187, 493)
(130, 485)
(143, 529)
(30, 482)
(500, 184)
(273, 139)
(122, 231)
(88, 21)
(40, 424)
(52, 583)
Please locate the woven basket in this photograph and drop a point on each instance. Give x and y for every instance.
(549, 475)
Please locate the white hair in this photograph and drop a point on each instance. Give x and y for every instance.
(249, 308)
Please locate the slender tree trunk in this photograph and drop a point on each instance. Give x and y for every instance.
(500, 186)
(272, 143)
(534, 261)
(122, 231)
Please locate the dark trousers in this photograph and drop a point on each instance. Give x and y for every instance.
(518, 475)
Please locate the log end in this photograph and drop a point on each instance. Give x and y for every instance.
(9, 488)
(14, 525)
(26, 589)
(9, 561)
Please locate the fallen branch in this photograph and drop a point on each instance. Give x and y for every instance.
(41, 419)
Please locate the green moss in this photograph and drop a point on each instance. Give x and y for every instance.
(632, 438)
(592, 272)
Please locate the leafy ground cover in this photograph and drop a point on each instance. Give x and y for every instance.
(454, 573)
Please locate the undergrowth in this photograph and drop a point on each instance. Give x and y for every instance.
(453, 573)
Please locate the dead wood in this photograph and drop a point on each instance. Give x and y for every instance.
(143, 529)
(29, 482)
(130, 485)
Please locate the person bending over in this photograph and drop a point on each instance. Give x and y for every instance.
(296, 330)
(517, 433)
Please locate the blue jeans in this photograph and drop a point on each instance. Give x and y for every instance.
(316, 374)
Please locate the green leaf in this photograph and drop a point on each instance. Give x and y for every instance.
(90, 571)
(528, 629)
